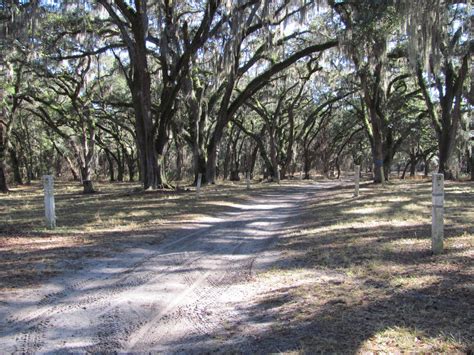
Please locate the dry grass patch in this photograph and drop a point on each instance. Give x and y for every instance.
(375, 287)
(118, 216)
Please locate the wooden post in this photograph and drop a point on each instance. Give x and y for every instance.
(437, 222)
(247, 179)
(198, 184)
(50, 215)
(278, 174)
(356, 179)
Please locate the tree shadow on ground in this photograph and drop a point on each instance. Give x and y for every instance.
(375, 285)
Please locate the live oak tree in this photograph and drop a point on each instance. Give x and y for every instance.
(16, 27)
(64, 105)
(209, 86)
(440, 53)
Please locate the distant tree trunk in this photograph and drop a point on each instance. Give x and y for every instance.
(211, 167)
(405, 170)
(227, 158)
(3, 180)
(273, 152)
(58, 165)
(236, 153)
(15, 165)
(306, 163)
(234, 175)
(119, 158)
(290, 148)
(131, 168)
(201, 169)
(3, 148)
(161, 149)
(413, 162)
(75, 175)
(426, 169)
(179, 160)
(110, 165)
(253, 159)
(472, 161)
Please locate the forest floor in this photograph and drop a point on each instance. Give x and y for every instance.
(300, 267)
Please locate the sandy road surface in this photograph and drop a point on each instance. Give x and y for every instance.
(165, 298)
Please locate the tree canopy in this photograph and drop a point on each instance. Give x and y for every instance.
(158, 90)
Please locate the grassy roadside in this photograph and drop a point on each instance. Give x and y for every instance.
(356, 274)
(359, 277)
(118, 216)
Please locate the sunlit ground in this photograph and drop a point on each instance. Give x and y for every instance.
(93, 225)
(357, 274)
(377, 286)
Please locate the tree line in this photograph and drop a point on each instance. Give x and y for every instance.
(154, 90)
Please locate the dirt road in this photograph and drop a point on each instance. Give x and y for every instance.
(166, 298)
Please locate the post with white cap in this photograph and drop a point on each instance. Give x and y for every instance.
(356, 179)
(198, 184)
(49, 207)
(437, 222)
(247, 179)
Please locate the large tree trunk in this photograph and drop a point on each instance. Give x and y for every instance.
(144, 130)
(161, 145)
(378, 153)
(88, 187)
(446, 146)
(450, 97)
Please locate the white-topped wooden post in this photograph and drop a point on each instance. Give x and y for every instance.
(198, 184)
(356, 179)
(437, 221)
(278, 174)
(49, 208)
(301, 174)
(247, 180)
